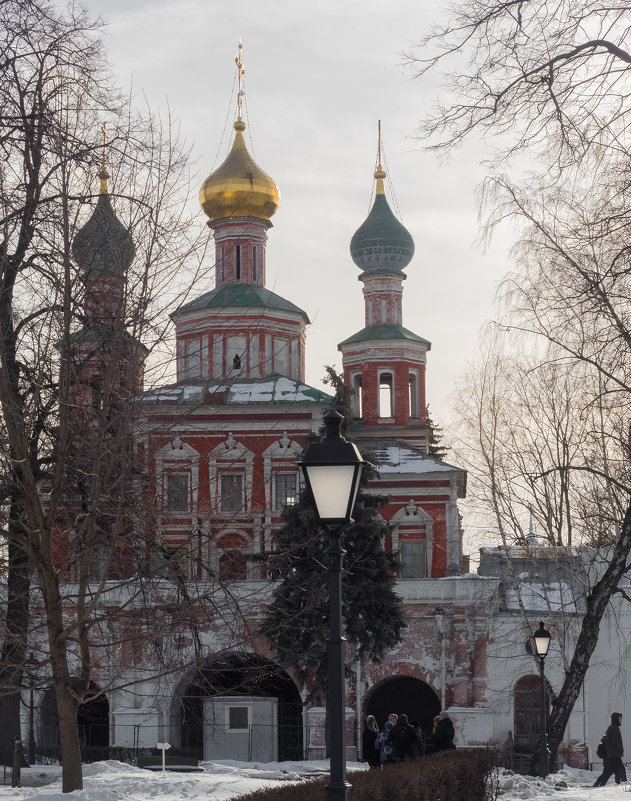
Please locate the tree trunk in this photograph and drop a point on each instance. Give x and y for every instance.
(67, 703)
(16, 625)
(67, 706)
(597, 602)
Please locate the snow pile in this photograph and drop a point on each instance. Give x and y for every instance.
(569, 783)
(227, 779)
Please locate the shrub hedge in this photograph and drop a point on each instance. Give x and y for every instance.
(447, 776)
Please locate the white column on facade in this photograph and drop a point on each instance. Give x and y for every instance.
(453, 533)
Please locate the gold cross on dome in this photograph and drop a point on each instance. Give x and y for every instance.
(241, 75)
(103, 173)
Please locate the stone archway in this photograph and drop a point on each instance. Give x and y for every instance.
(403, 694)
(93, 721)
(237, 675)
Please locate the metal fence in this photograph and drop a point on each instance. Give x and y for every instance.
(256, 742)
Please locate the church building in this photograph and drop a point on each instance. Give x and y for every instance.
(218, 452)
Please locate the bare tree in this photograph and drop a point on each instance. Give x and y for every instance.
(71, 355)
(551, 78)
(551, 81)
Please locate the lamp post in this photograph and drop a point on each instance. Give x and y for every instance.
(542, 639)
(332, 470)
(32, 663)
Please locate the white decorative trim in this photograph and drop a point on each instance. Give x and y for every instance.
(235, 455)
(415, 516)
(177, 457)
(283, 450)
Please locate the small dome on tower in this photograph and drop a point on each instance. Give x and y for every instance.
(382, 244)
(239, 187)
(103, 244)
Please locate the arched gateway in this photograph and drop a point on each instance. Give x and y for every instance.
(92, 720)
(237, 704)
(403, 694)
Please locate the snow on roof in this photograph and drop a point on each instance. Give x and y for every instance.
(555, 596)
(396, 457)
(270, 389)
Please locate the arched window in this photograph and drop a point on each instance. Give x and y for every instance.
(357, 400)
(237, 260)
(413, 396)
(232, 566)
(386, 386)
(255, 264)
(527, 705)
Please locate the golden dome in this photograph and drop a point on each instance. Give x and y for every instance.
(239, 187)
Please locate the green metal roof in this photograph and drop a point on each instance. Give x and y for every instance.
(384, 331)
(103, 244)
(240, 296)
(382, 244)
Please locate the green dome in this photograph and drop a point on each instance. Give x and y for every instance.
(103, 244)
(382, 244)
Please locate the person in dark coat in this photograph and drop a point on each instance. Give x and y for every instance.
(418, 747)
(403, 739)
(443, 737)
(615, 751)
(383, 745)
(369, 751)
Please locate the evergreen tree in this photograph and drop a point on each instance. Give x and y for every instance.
(435, 438)
(342, 395)
(297, 620)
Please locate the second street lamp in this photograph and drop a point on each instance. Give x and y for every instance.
(332, 470)
(542, 639)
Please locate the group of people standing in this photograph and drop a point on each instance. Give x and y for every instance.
(402, 740)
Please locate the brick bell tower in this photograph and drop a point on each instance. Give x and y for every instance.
(240, 330)
(384, 363)
(108, 360)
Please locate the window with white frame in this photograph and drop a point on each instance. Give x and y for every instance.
(414, 395)
(357, 399)
(412, 558)
(231, 489)
(177, 494)
(281, 355)
(238, 717)
(285, 490)
(386, 397)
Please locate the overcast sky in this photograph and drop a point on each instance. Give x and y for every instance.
(319, 75)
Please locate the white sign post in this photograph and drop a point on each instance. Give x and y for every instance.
(164, 747)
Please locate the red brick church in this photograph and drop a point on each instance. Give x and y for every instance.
(218, 450)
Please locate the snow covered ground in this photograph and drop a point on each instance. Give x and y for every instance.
(114, 781)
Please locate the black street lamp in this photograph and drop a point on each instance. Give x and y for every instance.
(542, 639)
(332, 470)
(31, 662)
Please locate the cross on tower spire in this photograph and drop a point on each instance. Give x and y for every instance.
(103, 173)
(380, 173)
(240, 76)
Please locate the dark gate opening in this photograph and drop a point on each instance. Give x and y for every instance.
(242, 675)
(93, 722)
(404, 695)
